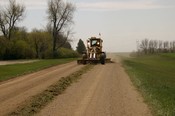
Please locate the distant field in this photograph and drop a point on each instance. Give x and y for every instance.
(154, 76)
(14, 70)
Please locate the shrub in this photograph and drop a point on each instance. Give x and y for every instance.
(67, 53)
(22, 50)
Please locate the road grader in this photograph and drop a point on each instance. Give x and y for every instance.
(94, 53)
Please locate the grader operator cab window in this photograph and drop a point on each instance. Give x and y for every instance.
(95, 42)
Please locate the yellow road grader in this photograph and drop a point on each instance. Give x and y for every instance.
(94, 53)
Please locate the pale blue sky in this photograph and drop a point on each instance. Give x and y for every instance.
(120, 22)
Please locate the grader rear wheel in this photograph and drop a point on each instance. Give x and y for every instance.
(102, 60)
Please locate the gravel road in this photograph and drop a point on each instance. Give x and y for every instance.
(16, 62)
(14, 92)
(106, 90)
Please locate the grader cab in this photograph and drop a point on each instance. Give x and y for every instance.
(94, 53)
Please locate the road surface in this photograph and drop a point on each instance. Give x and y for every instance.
(106, 90)
(13, 93)
(16, 62)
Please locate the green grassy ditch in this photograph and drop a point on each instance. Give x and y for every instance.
(39, 101)
(154, 76)
(14, 70)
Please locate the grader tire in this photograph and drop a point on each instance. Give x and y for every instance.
(102, 60)
(84, 62)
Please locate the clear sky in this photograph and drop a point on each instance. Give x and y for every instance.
(120, 22)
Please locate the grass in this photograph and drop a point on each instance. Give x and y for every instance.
(41, 100)
(154, 76)
(14, 70)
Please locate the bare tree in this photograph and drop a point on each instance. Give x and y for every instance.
(9, 16)
(151, 46)
(60, 16)
(156, 46)
(166, 46)
(160, 46)
(173, 46)
(63, 39)
(144, 45)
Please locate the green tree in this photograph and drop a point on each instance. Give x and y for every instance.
(3, 45)
(40, 41)
(21, 50)
(81, 47)
(67, 45)
(20, 33)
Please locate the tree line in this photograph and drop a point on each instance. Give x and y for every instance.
(147, 46)
(51, 42)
